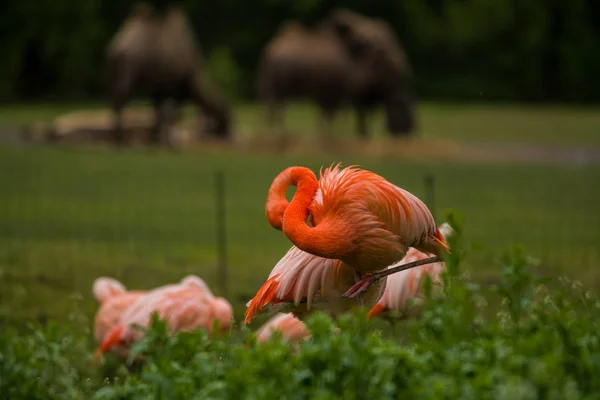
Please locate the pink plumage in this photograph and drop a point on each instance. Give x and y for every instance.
(185, 306)
(407, 284)
(114, 299)
(290, 328)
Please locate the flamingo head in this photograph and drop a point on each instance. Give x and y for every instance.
(277, 202)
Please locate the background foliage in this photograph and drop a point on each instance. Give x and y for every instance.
(460, 49)
(541, 342)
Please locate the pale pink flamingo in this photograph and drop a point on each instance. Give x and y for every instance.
(357, 218)
(405, 285)
(185, 306)
(291, 328)
(114, 300)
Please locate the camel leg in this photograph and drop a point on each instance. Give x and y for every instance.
(209, 103)
(275, 108)
(170, 115)
(117, 128)
(120, 95)
(154, 136)
(326, 127)
(361, 122)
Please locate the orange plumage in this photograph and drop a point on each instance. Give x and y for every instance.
(359, 217)
(360, 222)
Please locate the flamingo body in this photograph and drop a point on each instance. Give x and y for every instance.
(359, 223)
(184, 306)
(301, 281)
(290, 327)
(358, 217)
(405, 285)
(114, 299)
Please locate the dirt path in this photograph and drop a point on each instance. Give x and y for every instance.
(416, 149)
(438, 150)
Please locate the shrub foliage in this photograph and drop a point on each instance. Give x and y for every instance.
(520, 339)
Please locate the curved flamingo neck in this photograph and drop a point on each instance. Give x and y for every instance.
(276, 201)
(324, 240)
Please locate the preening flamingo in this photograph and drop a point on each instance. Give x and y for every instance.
(114, 300)
(184, 306)
(290, 327)
(301, 281)
(357, 217)
(404, 285)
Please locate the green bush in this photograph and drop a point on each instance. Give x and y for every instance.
(540, 341)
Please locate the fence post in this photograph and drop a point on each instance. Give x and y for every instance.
(221, 235)
(429, 182)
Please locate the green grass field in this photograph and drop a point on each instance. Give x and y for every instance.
(524, 124)
(147, 217)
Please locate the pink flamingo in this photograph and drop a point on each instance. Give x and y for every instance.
(406, 285)
(301, 282)
(114, 300)
(185, 306)
(356, 216)
(290, 327)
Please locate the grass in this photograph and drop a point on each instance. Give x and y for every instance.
(147, 217)
(560, 126)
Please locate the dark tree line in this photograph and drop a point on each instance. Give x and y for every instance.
(459, 49)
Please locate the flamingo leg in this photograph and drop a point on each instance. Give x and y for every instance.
(362, 285)
(358, 278)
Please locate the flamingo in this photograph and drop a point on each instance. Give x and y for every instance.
(301, 282)
(356, 216)
(185, 306)
(402, 286)
(290, 327)
(114, 300)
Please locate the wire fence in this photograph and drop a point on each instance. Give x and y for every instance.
(152, 229)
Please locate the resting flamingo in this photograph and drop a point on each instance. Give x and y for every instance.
(404, 285)
(357, 217)
(114, 299)
(290, 327)
(185, 306)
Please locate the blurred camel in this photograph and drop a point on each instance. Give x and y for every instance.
(157, 51)
(348, 59)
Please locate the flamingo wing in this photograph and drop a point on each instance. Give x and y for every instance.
(299, 276)
(109, 313)
(385, 219)
(406, 284)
